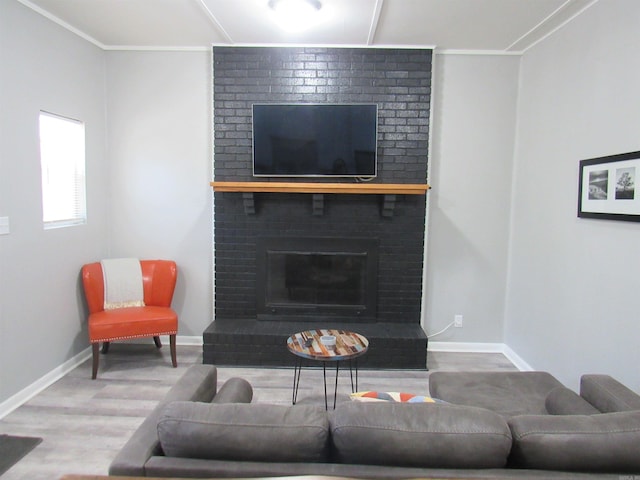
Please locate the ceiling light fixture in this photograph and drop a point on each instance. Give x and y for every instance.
(295, 15)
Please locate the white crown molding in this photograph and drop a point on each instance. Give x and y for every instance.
(214, 21)
(90, 39)
(326, 45)
(369, 42)
(530, 44)
(449, 51)
(202, 48)
(375, 20)
(153, 48)
(62, 23)
(523, 38)
(230, 43)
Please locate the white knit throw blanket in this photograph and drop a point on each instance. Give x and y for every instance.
(122, 283)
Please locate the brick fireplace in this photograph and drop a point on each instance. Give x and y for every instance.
(285, 262)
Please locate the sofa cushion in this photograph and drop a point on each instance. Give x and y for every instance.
(602, 442)
(267, 433)
(564, 401)
(419, 435)
(607, 394)
(401, 397)
(507, 393)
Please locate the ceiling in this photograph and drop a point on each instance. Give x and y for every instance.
(455, 25)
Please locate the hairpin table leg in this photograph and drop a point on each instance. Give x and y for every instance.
(297, 370)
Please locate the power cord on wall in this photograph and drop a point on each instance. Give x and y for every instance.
(441, 331)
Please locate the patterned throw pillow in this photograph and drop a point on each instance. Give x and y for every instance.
(371, 396)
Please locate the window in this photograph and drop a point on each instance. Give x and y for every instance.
(63, 180)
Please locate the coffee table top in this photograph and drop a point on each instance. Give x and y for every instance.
(348, 345)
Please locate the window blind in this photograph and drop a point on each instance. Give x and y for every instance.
(62, 158)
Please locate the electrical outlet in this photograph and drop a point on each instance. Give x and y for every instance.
(457, 321)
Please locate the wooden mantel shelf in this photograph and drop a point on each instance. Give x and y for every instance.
(319, 187)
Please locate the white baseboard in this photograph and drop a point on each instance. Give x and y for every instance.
(195, 340)
(470, 347)
(39, 385)
(516, 360)
(57, 373)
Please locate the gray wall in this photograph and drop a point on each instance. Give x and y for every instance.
(474, 111)
(573, 283)
(147, 183)
(159, 123)
(570, 287)
(43, 66)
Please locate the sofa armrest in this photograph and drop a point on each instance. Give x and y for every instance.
(563, 401)
(234, 390)
(607, 394)
(198, 384)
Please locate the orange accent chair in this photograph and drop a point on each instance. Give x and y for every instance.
(154, 319)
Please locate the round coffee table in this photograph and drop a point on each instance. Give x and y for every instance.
(349, 346)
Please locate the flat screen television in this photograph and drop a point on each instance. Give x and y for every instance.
(315, 140)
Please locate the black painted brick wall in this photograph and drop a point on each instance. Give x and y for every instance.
(399, 81)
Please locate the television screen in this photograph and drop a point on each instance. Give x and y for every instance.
(296, 140)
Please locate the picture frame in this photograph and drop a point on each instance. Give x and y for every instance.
(607, 187)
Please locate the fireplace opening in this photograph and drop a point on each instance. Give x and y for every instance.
(314, 278)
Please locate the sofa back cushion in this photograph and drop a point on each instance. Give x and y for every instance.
(262, 433)
(607, 394)
(419, 435)
(603, 442)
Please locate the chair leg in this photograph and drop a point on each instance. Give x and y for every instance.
(105, 347)
(158, 342)
(172, 342)
(95, 347)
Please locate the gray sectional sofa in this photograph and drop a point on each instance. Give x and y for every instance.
(494, 425)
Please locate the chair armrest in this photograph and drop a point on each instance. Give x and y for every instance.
(198, 384)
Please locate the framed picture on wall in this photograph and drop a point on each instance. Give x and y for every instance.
(607, 187)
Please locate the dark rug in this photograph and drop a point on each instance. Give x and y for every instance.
(12, 449)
